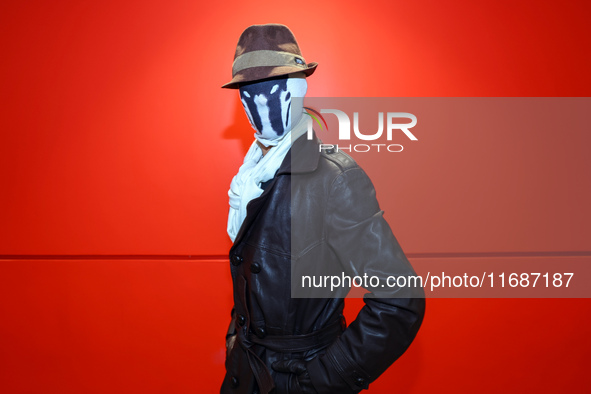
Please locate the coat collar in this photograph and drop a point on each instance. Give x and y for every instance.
(305, 155)
(302, 157)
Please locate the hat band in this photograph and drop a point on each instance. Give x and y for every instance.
(266, 58)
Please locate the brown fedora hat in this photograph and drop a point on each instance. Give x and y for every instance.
(266, 51)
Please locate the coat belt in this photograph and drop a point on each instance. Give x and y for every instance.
(284, 344)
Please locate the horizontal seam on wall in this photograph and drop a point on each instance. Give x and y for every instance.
(225, 257)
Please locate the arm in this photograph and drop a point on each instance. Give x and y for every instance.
(387, 324)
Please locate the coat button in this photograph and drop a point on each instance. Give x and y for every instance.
(241, 320)
(234, 382)
(236, 260)
(255, 268)
(360, 382)
(260, 332)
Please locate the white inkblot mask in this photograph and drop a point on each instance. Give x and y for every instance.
(269, 106)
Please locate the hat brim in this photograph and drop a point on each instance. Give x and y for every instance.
(258, 73)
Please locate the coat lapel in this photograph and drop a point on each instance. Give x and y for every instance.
(301, 158)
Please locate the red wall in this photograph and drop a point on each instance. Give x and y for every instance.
(117, 147)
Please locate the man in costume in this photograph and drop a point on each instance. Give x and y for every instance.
(297, 210)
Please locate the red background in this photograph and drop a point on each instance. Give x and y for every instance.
(117, 147)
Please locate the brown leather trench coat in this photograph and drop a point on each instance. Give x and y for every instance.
(317, 216)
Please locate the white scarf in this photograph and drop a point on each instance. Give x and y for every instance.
(257, 169)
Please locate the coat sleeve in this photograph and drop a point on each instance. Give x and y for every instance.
(232, 326)
(388, 322)
(231, 334)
